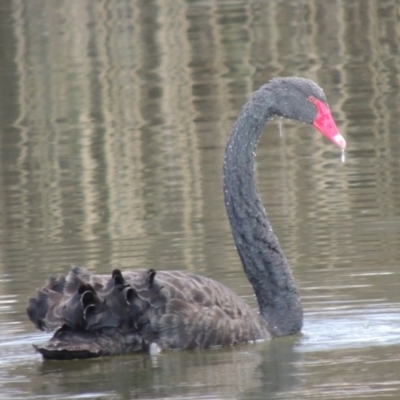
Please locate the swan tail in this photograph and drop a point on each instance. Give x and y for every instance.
(96, 315)
(67, 344)
(38, 307)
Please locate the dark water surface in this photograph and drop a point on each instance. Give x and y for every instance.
(113, 120)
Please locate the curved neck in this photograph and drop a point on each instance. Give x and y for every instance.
(262, 257)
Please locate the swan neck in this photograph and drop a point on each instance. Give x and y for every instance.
(262, 257)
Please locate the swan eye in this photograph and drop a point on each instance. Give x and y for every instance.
(312, 99)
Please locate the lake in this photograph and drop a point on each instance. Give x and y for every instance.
(114, 116)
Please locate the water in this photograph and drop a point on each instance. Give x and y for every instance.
(113, 122)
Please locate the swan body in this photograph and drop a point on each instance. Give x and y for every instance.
(133, 310)
(147, 310)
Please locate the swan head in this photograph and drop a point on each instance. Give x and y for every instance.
(303, 100)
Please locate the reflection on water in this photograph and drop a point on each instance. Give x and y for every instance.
(113, 121)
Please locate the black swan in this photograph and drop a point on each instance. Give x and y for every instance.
(145, 310)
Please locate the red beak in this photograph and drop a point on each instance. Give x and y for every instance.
(326, 125)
